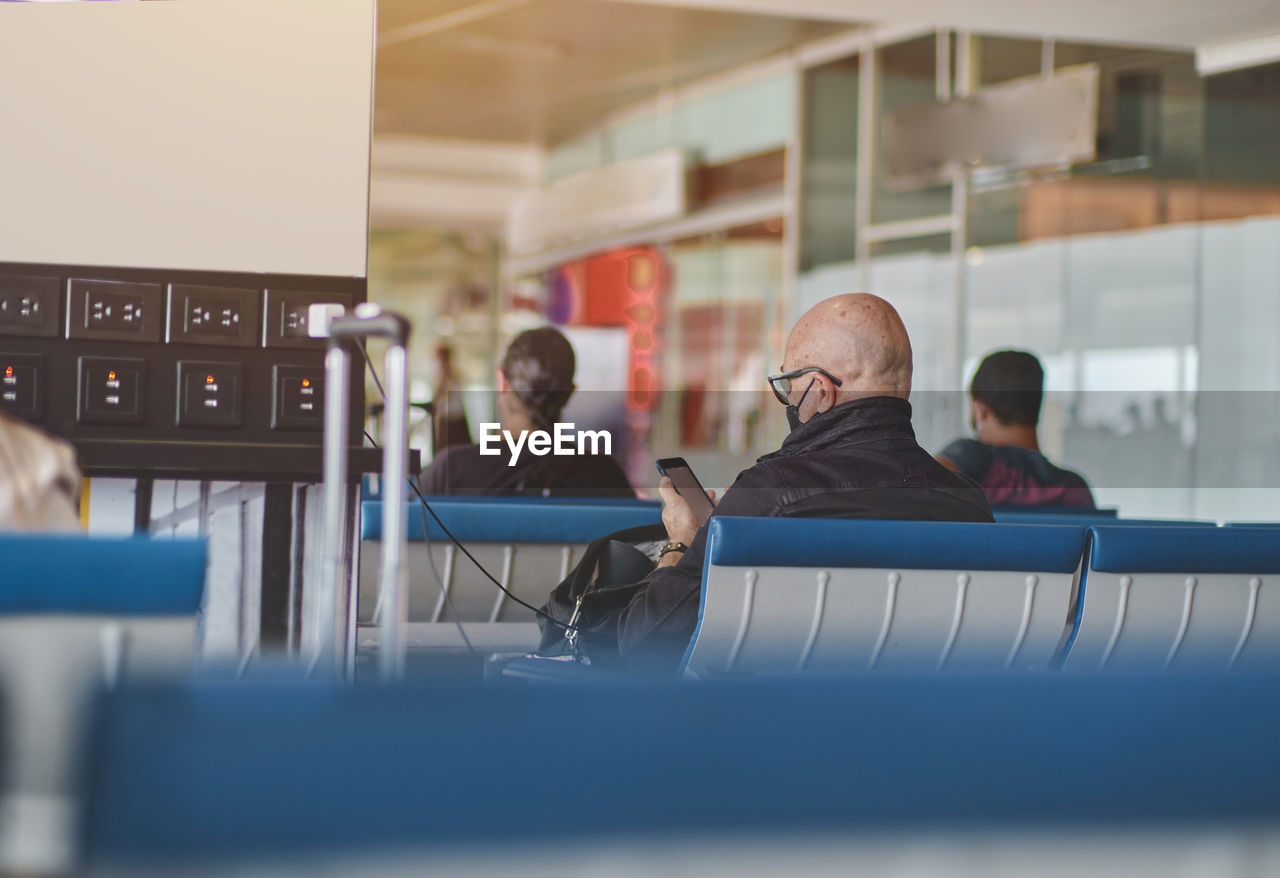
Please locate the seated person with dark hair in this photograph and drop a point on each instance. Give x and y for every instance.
(1004, 399)
(535, 382)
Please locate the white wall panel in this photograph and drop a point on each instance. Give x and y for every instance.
(206, 134)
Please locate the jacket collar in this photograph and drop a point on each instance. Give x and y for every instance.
(872, 416)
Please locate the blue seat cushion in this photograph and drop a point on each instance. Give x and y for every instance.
(1184, 550)
(75, 574)
(1087, 520)
(921, 545)
(509, 522)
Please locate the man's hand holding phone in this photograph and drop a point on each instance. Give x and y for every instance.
(680, 517)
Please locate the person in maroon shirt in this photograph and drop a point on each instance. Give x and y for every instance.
(1004, 399)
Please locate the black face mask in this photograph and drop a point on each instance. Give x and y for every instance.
(793, 411)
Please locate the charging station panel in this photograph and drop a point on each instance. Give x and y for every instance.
(172, 373)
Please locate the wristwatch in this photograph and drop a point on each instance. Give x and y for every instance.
(673, 546)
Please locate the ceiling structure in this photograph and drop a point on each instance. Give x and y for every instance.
(1186, 24)
(540, 71)
(469, 93)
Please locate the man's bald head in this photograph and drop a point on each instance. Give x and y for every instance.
(860, 339)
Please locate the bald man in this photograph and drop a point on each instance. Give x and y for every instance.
(845, 378)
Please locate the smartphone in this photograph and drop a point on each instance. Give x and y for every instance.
(687, 486)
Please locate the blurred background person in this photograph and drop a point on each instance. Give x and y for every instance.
(1004, 409)
(448, 419)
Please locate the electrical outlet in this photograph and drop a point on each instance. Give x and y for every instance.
(223, 316)
(298, 399)
(29, 306)
(112, 390)
(287, 316)
(22, 390)
(209, 394)
(115, 310)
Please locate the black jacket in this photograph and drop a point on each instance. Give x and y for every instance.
(858, 460)
(461, 469)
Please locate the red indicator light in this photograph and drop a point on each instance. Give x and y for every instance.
(8, 371)
(111, 376)
(208, 379)
(306, 382)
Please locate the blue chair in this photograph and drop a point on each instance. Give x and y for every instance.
(219, 777)
(1193, 597)
(841, 595)
(75, 612)
(529, 546)
(50, 574)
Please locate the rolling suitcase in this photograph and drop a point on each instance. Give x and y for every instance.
(337, 647)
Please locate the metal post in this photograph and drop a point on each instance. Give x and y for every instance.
(395, 467)
(336, 400)
(866, 162)
(967, 66)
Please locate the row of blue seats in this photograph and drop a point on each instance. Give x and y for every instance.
(1022, 593)
(211, 773)
(805, 594)
(335, 781)
(580, 520)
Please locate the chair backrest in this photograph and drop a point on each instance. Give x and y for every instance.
(840, 595)
(1085, 519)
(529, 546)
(77, 612)
(1169, 598)
(101, 576)
(209, 775)
(1053, 511)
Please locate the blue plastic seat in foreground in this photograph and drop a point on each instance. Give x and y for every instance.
(75, 610)
(1179, 598)
(121, 576)
(843, 595)
(229, 774)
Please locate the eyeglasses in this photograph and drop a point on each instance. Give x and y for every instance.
(781, 384)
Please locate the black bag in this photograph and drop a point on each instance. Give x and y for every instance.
(587, 604)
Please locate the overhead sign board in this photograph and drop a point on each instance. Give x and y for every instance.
(1029, 123)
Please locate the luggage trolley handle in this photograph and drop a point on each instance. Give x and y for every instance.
(367, 321)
